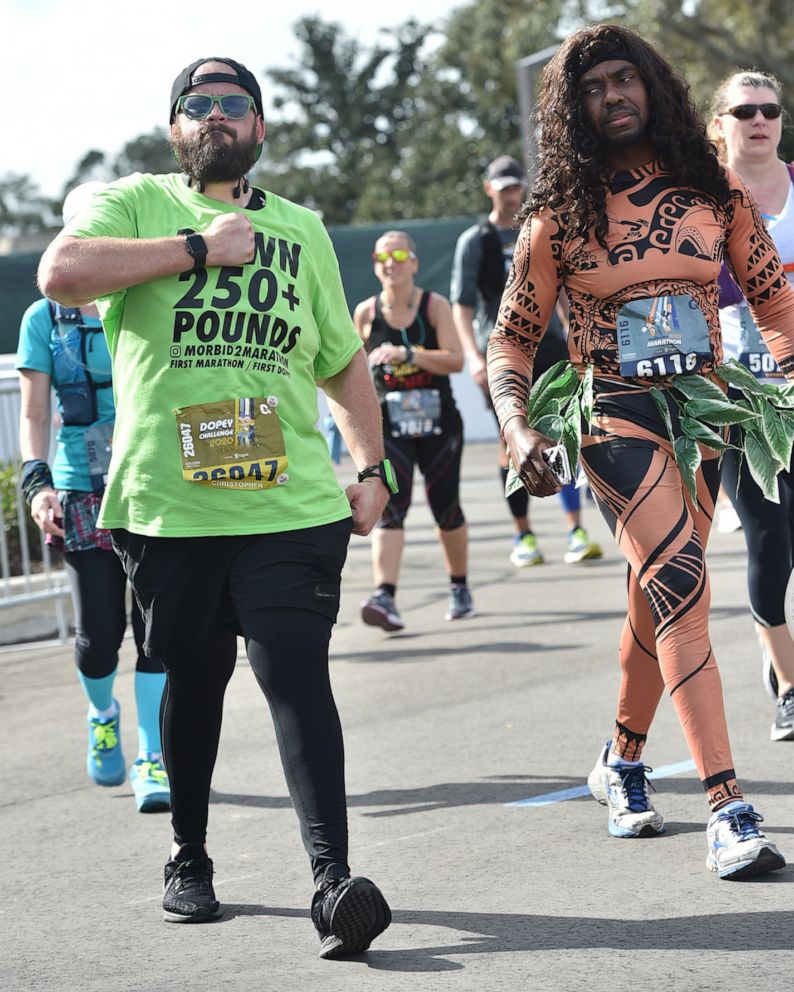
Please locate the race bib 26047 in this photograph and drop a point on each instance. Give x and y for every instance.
(233, 444)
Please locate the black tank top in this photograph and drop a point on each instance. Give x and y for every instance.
(419, 335)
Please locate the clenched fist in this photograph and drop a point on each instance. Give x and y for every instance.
(230, 240)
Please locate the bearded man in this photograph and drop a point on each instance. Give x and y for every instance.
(223, 308)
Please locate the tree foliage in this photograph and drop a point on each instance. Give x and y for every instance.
(347, 114)
(147, 153)
(404, 128)
(708, 40)
(23, 209)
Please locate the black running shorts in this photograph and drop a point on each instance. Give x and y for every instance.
(185, 586)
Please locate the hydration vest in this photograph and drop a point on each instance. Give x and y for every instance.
(75, 388)
(492, 276)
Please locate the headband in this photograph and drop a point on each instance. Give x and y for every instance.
(604, 55)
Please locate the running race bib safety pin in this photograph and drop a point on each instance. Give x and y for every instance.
(233, 444)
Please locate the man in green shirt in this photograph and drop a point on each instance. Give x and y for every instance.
(223, 308)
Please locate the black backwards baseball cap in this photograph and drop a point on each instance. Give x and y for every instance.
(243, 77)
(505, 171)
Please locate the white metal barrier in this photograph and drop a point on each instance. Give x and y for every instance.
(50, 585)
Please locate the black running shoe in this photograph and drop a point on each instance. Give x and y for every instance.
(188, 896)
(348, 915)
(783, 727)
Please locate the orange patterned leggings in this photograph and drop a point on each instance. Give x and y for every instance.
(665, 643)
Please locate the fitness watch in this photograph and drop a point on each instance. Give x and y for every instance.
(197, 249)
(383, 471)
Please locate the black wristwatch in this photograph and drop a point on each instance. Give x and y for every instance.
(197, 249)
(383, 471)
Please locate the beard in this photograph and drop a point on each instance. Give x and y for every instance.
(617, 142)
(208, 157)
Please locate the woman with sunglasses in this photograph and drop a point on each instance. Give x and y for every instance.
(413, 347)
(747, 126)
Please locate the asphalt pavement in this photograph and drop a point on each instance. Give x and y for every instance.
(467, 746)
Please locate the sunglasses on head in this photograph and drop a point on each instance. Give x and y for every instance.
(398, 254)
(746, 111)
(198, 106)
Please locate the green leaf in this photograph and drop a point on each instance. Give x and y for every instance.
(719, 413)
(512, 483)
(735, 374)
(557, 381)
(664, 411)
(550, 407)
(763, 466)
(687, 458)
(698, 387)
(779, 438)
(586, 394)
(552, 426)
(572, 435)
(703, 433)
(781, 396)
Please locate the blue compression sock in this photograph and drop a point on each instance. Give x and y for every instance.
(148, 693)
(569, 497)
(99, 691)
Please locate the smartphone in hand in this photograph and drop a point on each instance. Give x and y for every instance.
(559, 463)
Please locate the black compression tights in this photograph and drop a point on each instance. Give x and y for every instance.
(769, 532)
(98, 586)
(288, 652)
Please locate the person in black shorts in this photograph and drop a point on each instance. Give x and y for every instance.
(412, 346)
(224, 310)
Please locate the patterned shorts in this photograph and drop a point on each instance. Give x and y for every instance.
(80, 512)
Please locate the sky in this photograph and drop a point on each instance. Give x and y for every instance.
(96, 73)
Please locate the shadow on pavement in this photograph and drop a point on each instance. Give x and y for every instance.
(451, 795)
(495, 933)
(398, 653)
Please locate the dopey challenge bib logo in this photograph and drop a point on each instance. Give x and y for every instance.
(225, 317)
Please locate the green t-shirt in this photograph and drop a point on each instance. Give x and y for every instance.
(243, 346)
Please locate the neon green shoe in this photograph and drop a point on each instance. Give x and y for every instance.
(581, 548)
(150, 784)
(526, 551)
(105, 759)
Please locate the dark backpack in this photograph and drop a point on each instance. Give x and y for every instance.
(492, 277)
(75, 388)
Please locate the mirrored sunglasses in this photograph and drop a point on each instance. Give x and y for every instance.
(398, 254)
(198, 106)
(746, 111)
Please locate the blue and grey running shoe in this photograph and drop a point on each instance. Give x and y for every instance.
(105, 761)
(783, 727)
(460, 605)
(737, 847)
(624, 789)
(380, 611)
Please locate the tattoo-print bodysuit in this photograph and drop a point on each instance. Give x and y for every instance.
(663, 243)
